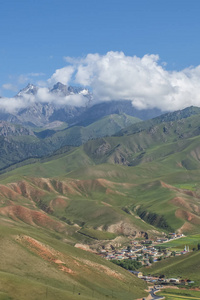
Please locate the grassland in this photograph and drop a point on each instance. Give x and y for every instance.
(36, 265)
(141, 190)
(181, 294)
(185, 266)
(179, 244)
(97, 234)
(143, 183)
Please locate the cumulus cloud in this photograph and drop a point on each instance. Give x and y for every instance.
(62, 75)
(144, 81)
(115, 76)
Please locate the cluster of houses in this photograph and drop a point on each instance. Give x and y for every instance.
(162, 281)
(144, 251)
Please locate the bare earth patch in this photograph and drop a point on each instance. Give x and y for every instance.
(45, 252)
(31, 217)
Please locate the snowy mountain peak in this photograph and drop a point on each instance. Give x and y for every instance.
(60, 88)
(30, 89)
(64, 90)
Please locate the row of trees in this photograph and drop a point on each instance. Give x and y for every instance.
(128, 264)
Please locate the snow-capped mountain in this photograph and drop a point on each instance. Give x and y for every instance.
(30, 89)
(38, 113)
(59, 89)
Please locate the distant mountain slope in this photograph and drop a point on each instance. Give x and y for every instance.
(161, 137)
(158, 161)
(9, 129)
(167, 117)
(100, 110)
(41, 113)
(18, 143)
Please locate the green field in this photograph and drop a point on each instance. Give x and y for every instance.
(173, 294)
(185, 266)
(179, 244)
(38, 264)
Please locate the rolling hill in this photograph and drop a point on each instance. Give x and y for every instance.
(158, 161)
(18, 143)
(41, 264)
(101, 194)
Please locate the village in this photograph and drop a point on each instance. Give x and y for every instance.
(146, 252)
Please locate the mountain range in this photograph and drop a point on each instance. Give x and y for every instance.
(41, 114)
(91, 178)
(42, 128)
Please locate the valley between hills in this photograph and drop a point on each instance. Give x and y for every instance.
(70, 192)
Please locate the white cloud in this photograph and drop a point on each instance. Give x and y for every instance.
(62, 75)
(144, 81)
(11, 105)
(115, 76)
(43, 95)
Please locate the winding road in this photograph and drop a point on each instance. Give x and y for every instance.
(152, 295)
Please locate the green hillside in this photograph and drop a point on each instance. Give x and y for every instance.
(185, 266)
(20, 143)
(168, 117)
(162, 162)
(104, 193)
(38, 264)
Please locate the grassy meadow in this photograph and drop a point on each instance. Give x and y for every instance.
(186, 266)
(37, 264)
(181, 294)
(179, 244)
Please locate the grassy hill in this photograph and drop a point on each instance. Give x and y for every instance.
(162, 165)
(185, 266)
(21, 143)
(39, 264)
(99, 194)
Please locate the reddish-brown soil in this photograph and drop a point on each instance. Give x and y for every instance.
(9, 193)
(31, 217)
(183, 191)
(188, 216)
(27, 190)
(181, 202)
(58, 203)
(187, 227)
(44, 252)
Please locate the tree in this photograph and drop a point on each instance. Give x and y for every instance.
(151, 260)
(129, 248)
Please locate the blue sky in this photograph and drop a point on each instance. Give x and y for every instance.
(36, 35)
